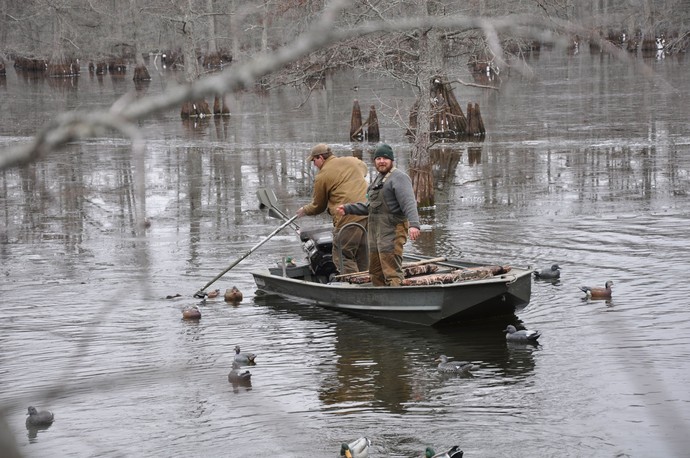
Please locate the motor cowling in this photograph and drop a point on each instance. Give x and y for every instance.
(318, 244)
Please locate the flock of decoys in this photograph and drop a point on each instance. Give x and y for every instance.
(551, 274)
(232, 295)
(359, 448)
(591, 292)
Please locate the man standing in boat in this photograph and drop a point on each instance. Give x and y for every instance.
(338, 181)
(392, 210)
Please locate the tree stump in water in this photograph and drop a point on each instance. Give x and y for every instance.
(474, 120)
(220, 108)
(141, 73)
(373, 125)
(447, 121)
(356, 132)
(63, 68)
(117, 66)
(198, 109)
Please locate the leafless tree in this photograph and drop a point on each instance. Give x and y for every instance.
(395, 25)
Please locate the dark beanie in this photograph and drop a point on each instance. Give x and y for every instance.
(384, 150)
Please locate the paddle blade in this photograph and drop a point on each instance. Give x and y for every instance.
(274, 214)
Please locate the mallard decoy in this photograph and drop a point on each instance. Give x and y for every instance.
(522, 335)
(191, 313)
(453, 452)
(36, 418)
(598, 292)
(358, 448)
(236, 377)
(233, 295)
(548, 274)
(452, 366)
(207, 295)
(244, 358)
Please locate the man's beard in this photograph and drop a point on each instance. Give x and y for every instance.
(384, 168)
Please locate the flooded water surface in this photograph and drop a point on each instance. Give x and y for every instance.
(586, 165)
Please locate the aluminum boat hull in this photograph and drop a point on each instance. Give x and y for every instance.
(428, 305)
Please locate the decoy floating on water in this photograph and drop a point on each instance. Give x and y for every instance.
(191, 313)
(358, 448)
(239, 378)
(453, 452)
(36, 418)
(244, 358)
(598, 292)
(458, 367)
(207, 295)
(233, 295)
(548, 274)
(522, 335)
(173, 296)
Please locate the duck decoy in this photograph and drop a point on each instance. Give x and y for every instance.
(244, 358)
(36, 418)
(191, 313)
(598, 292)
(207, 295)
(358, 448)
(453, 452)
(213, 294)
(522, 335)
(236, 377)
(233, 295)
(550, 273)
(453, 366)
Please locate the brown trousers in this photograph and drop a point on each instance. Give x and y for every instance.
(351, 240)
(386, 252)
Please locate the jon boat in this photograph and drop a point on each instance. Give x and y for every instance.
(436, 291)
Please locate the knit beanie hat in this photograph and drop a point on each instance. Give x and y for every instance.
(384, 150)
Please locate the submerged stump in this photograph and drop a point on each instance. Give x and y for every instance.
(196, 109)
(220, 107)
(447, 120)
(141, 73)
(356, 132)
(373, 126)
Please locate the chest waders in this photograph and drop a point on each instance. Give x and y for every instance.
(387, 235)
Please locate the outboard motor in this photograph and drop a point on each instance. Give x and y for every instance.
(318, 244)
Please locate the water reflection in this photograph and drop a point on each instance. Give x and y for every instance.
(33, 431)
(390, 367)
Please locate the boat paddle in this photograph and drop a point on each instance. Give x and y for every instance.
(268, 199)
(201, 294)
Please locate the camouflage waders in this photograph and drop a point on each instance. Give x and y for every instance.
(387, 235)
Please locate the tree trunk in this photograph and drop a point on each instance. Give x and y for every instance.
(429, 66)
(191, 63)
(141, 73)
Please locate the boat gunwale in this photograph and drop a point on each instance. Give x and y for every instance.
(346, 285)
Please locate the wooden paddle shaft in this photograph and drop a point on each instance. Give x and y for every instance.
(251, 250)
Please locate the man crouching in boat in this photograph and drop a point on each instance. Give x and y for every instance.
(392, 210)
(340, 180)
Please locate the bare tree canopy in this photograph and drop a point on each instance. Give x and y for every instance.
(339, 23)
